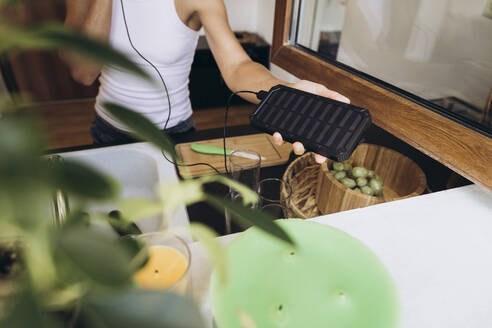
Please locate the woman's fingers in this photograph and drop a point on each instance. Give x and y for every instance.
(336, 96)
(298, 148)
(319, 158)
(325, 92)
(277, 139)
(320, 90)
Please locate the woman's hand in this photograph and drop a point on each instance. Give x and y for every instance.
(237, 68)
(317, 89)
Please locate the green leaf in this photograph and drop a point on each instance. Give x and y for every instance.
(128, 231)
(248, 195)
(8, 2)
(176, 194)
(137, 208)
(97, 255)
(63, 298)
(57, 36)
(139, 251)
(208, 238)
(141, 308)
(78, 217)
(24, 311)
(122, 225)
(20, 134)
(141, 127)
(248, 216)
(82, 180)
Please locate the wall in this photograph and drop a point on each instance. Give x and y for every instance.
(243, 15)
(264, 27)
(256, 16)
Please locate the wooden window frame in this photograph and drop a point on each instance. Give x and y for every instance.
(462, 149)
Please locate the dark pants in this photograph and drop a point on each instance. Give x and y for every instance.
(104, 133)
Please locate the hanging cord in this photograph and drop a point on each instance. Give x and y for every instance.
(228, 103)
(165, 88)
(260, 95)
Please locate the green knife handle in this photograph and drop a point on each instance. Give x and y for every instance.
(208, 149)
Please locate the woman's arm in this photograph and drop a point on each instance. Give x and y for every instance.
(92, 18)
(238, 70)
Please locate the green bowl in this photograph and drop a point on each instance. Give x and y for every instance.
(329, 280)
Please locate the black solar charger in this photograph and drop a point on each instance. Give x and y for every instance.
(325, 126)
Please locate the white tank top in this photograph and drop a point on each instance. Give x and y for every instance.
(159, 35)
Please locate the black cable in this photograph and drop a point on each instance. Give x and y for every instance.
(154, 67)
(167, 93)
(228, 103)
(194, 164)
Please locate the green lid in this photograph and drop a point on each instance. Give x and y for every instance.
(330, 280)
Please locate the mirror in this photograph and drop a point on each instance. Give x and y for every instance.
(438, 53)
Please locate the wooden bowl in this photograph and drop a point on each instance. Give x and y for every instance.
(402, 178)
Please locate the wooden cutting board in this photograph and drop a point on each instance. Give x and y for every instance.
(262, 143)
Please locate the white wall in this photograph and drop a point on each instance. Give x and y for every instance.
(256, 16)
(264, 27)
(265, 15)
(243, 15)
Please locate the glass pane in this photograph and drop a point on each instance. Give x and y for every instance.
(438, 50)
(322, 32)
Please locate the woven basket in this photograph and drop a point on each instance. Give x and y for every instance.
(302, 175)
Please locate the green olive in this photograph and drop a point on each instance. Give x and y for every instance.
(376, 186)
(333, 172)
(377, 177)
(359, 172)
(366, 190)
(357, 189)
(339, 175)
(347, 167)
(361, 182)
(347, 182)
(370, 174)
(338, 166)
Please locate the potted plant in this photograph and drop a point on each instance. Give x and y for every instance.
(59, 275)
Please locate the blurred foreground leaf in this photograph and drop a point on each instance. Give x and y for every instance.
(174, 195)
(248, 196)
(121, 225)
(141, 127)
(141, 308)
(97, 255)
(138, 208)
(23, 311)
(247, 216)
(57, 36)
(20, 135)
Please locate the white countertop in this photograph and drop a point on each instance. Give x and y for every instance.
(437, 247)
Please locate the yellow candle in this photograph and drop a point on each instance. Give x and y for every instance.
(166, 266)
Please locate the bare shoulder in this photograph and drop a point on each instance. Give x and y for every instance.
(206, 6)
(198, 13)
